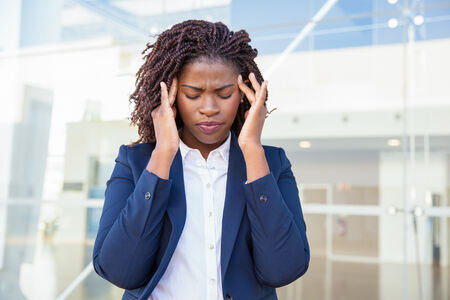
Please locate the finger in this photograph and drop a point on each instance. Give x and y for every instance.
(173, 91)
(254, 81)
(164, 94)
(246, 89)
(262, 92)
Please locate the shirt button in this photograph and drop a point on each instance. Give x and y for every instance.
(147, 195)
(263, 198)
(211, 246)
(212, 168)
(210, 214)
(212, 281)
(208, 185)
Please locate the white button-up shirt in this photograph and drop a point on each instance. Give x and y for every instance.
(194, 271)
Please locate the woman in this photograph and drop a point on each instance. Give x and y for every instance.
(198, 208)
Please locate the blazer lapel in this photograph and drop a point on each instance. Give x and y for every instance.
(234, 201)
(176, 208)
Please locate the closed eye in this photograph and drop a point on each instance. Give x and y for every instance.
(195, 97)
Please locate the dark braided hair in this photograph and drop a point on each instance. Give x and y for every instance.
(187, 42)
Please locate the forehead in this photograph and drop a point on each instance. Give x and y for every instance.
(208, 70)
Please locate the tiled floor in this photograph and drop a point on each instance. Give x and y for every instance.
(44, 271)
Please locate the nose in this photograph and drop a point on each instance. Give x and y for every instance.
(209, 106)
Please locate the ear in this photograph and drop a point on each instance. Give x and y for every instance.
(174, 109)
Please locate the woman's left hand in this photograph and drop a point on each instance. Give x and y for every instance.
(250, 135)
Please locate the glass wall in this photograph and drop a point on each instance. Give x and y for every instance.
(363, 110)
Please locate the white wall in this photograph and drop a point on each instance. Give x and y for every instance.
(360, 79)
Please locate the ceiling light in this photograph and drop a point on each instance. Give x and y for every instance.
(418, 20)
(392, 1)
(304, 144)
(393, 23)
(393, 142)
(343, 187)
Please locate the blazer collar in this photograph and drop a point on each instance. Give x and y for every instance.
(234, 201)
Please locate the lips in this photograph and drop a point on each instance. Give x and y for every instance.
(209, 127)
(209, 123)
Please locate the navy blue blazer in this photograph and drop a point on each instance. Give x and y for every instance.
(264, 243)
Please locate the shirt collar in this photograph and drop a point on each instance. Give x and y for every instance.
(223, 149)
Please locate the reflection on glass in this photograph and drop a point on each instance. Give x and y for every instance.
(316, 230)
(355, 195)
(64, 103)
(355, 235)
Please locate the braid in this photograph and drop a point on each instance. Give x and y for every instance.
(183, 43)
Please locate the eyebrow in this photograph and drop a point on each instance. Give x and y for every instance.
(200, 89)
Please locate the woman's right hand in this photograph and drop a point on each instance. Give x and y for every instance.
(166, 132)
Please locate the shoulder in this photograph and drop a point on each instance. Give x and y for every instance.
(270, 151)
(127, 151)
(274, 150)
(270, 148)
(139, 147)
(276, 156)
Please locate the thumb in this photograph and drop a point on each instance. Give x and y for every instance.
(246, 114)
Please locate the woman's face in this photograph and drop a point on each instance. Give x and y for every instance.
(207, 92)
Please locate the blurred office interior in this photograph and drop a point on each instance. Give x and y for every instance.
(362, 91)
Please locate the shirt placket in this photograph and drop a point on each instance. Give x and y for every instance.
(210, 232)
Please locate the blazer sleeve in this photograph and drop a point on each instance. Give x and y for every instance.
(130, 225)
(278, 230)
